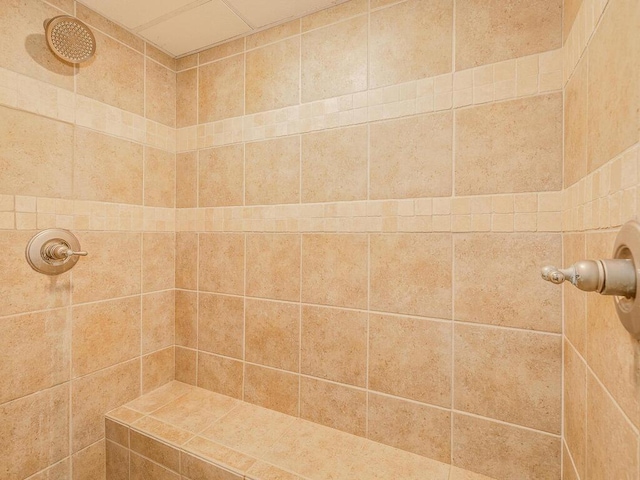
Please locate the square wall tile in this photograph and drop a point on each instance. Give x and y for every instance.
(273, 266)
(409, 41)
(272, 334)
(187, 180)
(411, 274)
(222, 263)
(510, 147)
(575, 301)
(335, 269)
(158, 320)
(158, 261)
(187, 260)
(509, 375)
(221, 89)
(570, 10)
(410, 358)
(575, 407)
(158, 369)
(221, 176)
(334, 165)
(159, 178)
(90, 462)
(273, 76)
(272, 171)
(221, 324)
(412, 157)
(334, 344)
(220, 375)
(516, 259)
(187, 98)
(489, 31)
(272, 389)
(186, 311)
(575, 125)
(186, 365)
(160, 93)
(330, 70)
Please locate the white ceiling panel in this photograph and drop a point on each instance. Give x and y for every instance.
(133, 13)
(196, 28)
(262, 12)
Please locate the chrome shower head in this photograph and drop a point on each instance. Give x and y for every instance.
(70, 39)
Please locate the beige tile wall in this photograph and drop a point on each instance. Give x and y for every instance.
(360, 228)
(602, 131)
(78, 151)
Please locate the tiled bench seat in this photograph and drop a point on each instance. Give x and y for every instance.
(180, 432)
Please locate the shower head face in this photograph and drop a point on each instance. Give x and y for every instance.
(70, 39)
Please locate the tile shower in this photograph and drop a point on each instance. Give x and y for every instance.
(341, 219)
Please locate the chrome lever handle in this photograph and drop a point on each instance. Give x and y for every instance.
(557, 275)
(61, 251)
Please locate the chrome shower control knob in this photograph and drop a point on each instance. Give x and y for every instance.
(54, 251)
(59, 251)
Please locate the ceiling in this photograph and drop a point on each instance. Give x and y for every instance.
(183, 26)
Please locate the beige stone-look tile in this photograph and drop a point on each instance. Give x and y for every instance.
(222, 263)
(25, 451)
(158, 368)
(249, 429)
(462, 474)
(186, 312)
(90, 462)
(36, 155)
(59, 470)
(575, 125)
(410, 426)
(112, 268)
(188, 61)
(124, 415)
(186, 260)
(334, 269)
(272, 334)
(116, 461)
(410, 358)
(156, 399)
(273, 76)
(334, 344)
(411, 274)
(151, 426)
(195, 410)
(611, 352)
(107, 26)
(568, 470)
(161, 453)
(107, 169)
(335, 14)
(219, 374)
(409, 41)
(218, 454)
(221, 89)
(330, 70)
(187, 180)
(333, 405)
(158, 321)
(273, 34)
(28, 290)
(186, 365)
(272, 171)
(575, 407)
(516, 259)
(412, 157)
(159, 178)
(272, 389)
(221, 324)
(27, 340)
(570, 9)
(334, 165)
(504, 451)
(612, 444)
(614, 84)
(575, 300)
(195, 468)
(160, 94)
(526, 131)
(160, 56)
(273, 266)
(25, 50)
(115, 75)
(264, 471)
(221, 176)
(117, 385)
(142, 469)
(116, 432)
(187, 98)
(105, 334)
(158, 261)
(490, 31)
(509, 375)
(227, 49)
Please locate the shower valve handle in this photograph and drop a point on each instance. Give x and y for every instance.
(608, 277)
(61, 251)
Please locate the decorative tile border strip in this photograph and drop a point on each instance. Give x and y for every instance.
(34, 96)
(515, 78)
(31, 213)
(526, 212)
(605, 198)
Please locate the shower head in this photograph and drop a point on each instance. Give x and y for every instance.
(70, 39)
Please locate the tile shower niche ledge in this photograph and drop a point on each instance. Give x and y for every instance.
(183, 432)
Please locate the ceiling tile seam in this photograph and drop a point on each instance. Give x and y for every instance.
(170, 15)
(235, 10)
